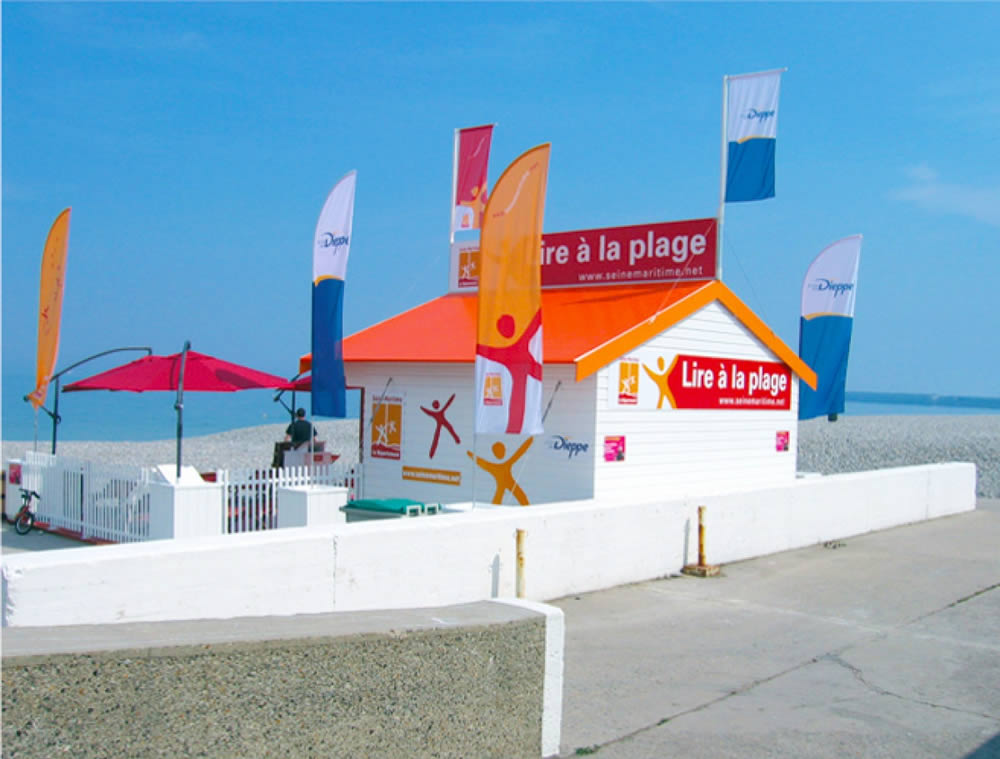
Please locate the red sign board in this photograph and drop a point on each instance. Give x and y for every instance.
(664, 252)
(699, 382)
(667, 251)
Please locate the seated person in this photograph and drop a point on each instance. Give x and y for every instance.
(298, 432)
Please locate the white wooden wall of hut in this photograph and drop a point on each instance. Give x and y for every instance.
(683, 452)
(546, 472)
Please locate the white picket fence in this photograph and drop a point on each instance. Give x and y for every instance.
(251, 495)
(96, 500)
(106, 502)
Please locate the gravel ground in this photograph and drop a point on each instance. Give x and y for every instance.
(855, 444)
(235, 449)
(851, 444)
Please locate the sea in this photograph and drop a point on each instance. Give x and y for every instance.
(121, 416)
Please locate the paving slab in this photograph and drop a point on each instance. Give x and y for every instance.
(886, 644)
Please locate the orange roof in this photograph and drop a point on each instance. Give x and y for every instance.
(586, 326)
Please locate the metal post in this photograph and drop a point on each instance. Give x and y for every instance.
(701, 536)
(519, 582)
(702, 568)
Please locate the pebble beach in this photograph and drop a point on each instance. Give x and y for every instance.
(851, 444)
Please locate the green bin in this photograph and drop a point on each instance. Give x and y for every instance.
(386, 508)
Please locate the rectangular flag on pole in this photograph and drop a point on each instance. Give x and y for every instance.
(330, 249)
(472, 157)
(50, 300)
(825, 325)
(751, 133)
(509, 332)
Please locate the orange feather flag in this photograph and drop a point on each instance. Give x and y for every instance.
(50, 306)
(509, 332)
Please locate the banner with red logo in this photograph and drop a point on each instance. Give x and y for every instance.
(472, 157)
(670, 251)
(683, 381)
(509, 322)
(715, 383)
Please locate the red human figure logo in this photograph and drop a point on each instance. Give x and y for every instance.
(437, 414)
(517, 359)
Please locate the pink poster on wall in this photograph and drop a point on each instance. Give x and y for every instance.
(614, 448)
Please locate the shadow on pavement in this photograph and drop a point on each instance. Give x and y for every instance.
(989, 750)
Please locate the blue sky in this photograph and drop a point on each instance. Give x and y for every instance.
(196, 144)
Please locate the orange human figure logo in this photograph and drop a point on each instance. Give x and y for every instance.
(437, 414)
(660, 379)
(502, 471)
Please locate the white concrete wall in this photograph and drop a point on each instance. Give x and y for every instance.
(280, 572)
(675, 453)
(466, 556)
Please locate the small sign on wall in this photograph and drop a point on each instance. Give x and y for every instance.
(437, 476)
(387, 427)
(781, 440)
(628, 382)
(614, 447)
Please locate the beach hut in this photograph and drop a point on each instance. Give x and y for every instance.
(651, 391)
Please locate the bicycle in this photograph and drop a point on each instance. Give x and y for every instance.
(25, 518)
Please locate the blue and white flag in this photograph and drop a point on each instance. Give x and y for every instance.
(825, 326)
(330, 249)
(751, 133)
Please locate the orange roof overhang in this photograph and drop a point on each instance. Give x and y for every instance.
(586, 326)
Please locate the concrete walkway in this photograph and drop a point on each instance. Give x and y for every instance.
(36, 540)
(884, 645)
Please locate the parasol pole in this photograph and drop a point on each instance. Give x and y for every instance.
(179, 405)
(54, 413)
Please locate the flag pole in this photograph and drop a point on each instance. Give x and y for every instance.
(724, 163)
(454, 190)
(475, 464)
